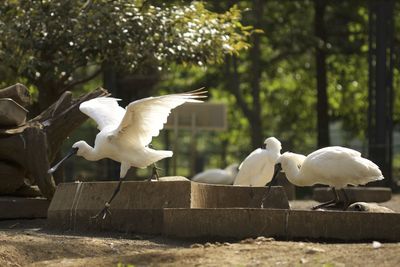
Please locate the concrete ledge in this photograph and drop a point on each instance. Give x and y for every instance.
(144, 221)
(138, 206)
(23, 208)
(348, 225)
(289, 224)
(355, 194)
(227, 196)
(224, 223)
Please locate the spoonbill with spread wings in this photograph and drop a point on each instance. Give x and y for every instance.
(125, 134)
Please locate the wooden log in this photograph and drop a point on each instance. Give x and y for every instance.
(34, 145)
(12, 114)
(17, 92)
(11, 177)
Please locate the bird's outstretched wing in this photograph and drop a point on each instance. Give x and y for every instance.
(104, 110)
(145, 118)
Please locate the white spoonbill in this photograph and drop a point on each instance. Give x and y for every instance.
(334, 166)
(217, 176)
(258, 167)
(125, 134)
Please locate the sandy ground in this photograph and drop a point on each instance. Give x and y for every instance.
(29, 243)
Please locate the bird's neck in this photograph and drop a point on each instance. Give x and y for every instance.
(89, 152)
(292, 172)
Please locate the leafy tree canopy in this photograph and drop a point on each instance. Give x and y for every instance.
(49, 43)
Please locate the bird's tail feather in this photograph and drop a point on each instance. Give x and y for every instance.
(153, 156)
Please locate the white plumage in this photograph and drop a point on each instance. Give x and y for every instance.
(125, 134)
(217, 176)
(334, 166)
(258, 167)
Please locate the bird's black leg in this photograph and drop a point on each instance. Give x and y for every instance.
(335, 200)
(346, 202)
(154, 173)
(103, 213)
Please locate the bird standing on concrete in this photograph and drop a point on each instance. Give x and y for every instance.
(125, 134)
(258, 167)
(334, 166)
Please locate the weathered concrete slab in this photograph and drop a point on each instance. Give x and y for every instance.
(290, 224)
(348, 225)
(138, 206)
(355, 194)
(132, 209)
(227, 196)
(23, 208)
(143, 221)
(224, 223)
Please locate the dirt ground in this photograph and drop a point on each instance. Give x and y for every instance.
(29, 243)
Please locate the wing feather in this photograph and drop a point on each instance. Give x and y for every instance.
(104, 110)
(145, 117)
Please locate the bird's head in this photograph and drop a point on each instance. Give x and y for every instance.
(282, 162)
(81, 148)
(290, 158)
(272, 143)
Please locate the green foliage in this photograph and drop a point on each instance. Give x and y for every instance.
(125, 265)
(288, 83)
(52, 43)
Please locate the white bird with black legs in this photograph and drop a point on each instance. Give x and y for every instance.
(334, 166)
(258, 167)
(217, 176)
(125, 134)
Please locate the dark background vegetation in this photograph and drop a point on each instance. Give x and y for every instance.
(311, 73)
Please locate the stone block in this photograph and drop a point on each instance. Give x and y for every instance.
(224, 223)
(227, 196)
(355, 194)
(138, 206)
(241, 223)
(343, 225)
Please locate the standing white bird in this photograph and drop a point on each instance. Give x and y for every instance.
(334, 166)
(258, 167)
(125, 134)
(217, 176)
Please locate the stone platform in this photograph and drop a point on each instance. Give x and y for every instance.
(240, 223)
(355, 194)
(182, 209)
(139, 205)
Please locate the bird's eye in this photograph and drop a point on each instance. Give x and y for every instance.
(358, 207)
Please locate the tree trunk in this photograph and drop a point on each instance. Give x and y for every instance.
(320, 58)
(29, 148)
(255, 58)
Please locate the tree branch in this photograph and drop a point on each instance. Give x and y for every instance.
(86, 79)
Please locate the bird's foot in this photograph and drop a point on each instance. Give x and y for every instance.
(103, 213)
(340, 205)
(324, 205)
(263, 200)
(154, 173)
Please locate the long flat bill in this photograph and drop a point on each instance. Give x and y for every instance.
(69, 154)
